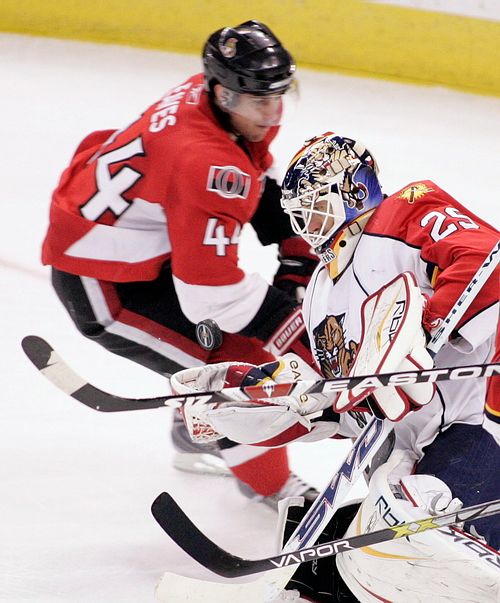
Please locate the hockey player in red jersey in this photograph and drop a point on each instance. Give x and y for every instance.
(415, 250)
(145, 224)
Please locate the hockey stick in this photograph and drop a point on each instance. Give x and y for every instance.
(56, 370)
(464, 301)
(376, 432)
(364, 449)
(52, 366)
(176, 524)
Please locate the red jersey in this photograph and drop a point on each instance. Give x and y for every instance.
(173, 183)
(443, 238)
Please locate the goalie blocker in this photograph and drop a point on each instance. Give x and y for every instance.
(392, 339)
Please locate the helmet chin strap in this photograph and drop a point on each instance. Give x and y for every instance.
(337, 254)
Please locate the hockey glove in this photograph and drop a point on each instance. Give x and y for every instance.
(392, 339)
(297, 263)
(265, 422)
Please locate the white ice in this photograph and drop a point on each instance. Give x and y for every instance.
(76, 485)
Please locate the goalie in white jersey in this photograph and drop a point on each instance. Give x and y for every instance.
(417, 249)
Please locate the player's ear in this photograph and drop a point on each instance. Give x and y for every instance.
(218, 92)
(224, 98)
(219, 95)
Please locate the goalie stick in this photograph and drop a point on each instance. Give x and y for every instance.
(366, 447)
(56, 370)
(464, 301)
(377, 432)
(182, 530)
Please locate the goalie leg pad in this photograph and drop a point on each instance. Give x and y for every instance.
(442, 566)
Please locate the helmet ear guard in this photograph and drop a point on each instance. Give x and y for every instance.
(228, 99)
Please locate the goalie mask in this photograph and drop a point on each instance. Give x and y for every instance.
(329, 192)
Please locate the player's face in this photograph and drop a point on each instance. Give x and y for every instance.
(251, 116)
(321, 220)
(251, 130)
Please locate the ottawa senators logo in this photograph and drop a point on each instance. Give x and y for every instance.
(228, 47)
(334, 356)
(229, 181)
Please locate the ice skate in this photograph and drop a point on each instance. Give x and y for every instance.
(294, 486)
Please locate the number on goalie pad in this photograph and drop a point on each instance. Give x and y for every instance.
(269, 422)
(392, 339)
(442, 565)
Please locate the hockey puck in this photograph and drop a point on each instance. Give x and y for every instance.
(208, 334)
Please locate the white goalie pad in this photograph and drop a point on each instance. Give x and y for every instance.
(174, 588)
(210, 377)
(392, 339)
(391, 320)
(443, 565)
(255, 425)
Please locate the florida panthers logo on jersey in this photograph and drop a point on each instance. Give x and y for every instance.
(415, 192)
(333, 354)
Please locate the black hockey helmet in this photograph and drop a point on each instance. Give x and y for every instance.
(248, 59)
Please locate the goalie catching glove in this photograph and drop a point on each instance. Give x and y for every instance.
(392, 340)
(266, 422)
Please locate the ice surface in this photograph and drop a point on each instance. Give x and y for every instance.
(76, 485)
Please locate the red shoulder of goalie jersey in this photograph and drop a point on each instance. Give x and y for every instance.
(450, 240)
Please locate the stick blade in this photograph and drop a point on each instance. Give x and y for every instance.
(55, 369)
(183, 589)
(37, 350)
(185, 534)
